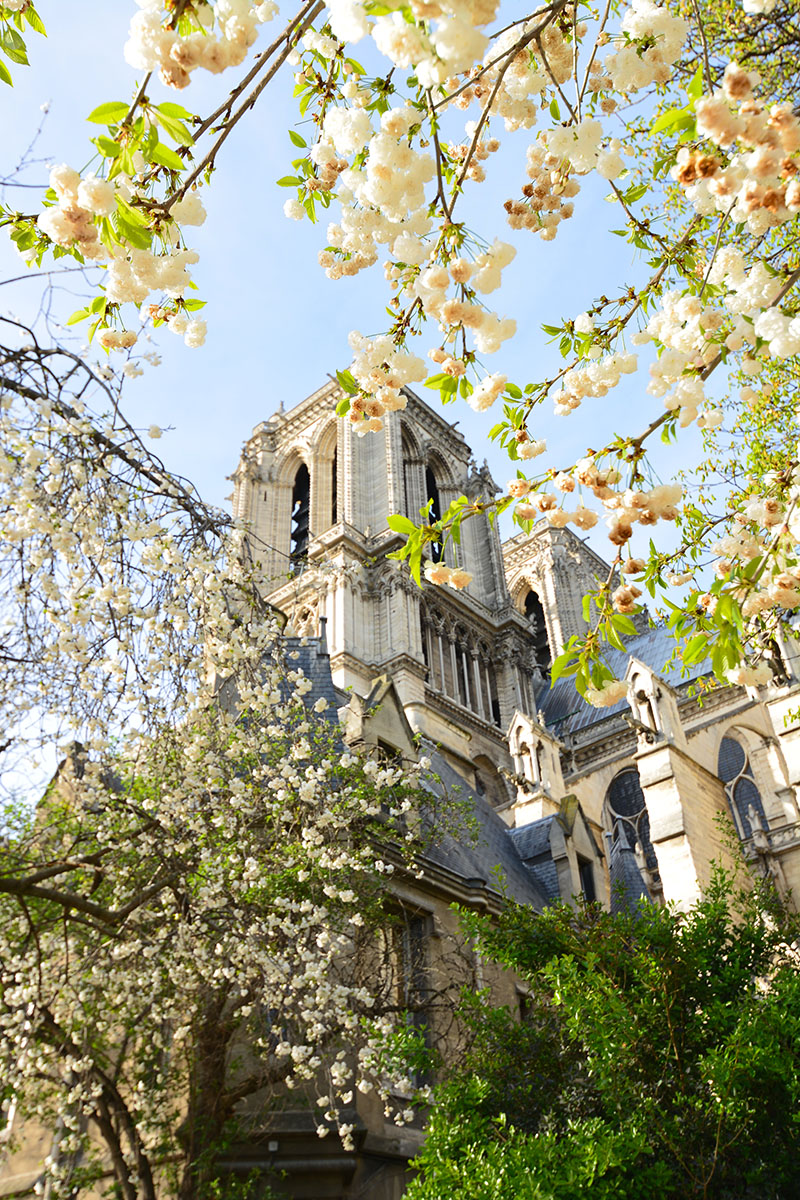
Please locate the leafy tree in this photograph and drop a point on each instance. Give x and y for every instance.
(658, 1053)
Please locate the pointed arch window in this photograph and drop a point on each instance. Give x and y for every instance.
(301, 504)
(627, 813)
(432, 494)
(744, 798)
(536, 619)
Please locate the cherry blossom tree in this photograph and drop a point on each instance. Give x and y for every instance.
(189, 909)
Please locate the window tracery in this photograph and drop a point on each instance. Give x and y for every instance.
(627, 813)
(459, 664)
(744, 798)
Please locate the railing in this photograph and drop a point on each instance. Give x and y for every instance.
(782, 837)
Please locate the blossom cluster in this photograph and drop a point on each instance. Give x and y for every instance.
(454, 577)
(71, 222)
(222, 38)
(758, 185)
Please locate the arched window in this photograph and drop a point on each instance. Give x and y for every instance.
(744, 798)
(541, 643)
(301, 500)
(432, 493)
(627, 811)
(335, 488)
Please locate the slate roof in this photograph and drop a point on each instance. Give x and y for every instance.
(565, 712)
(314, 661)
(532, 843)
(478, 861)
(627, 885)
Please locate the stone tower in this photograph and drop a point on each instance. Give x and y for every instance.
(316, 498)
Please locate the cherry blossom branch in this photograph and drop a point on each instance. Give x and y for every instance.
(208, 160)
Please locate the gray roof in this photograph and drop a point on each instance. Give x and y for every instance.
(492, 851)
(532, 843)
(314, 661)
(566, 712)
(627, 885)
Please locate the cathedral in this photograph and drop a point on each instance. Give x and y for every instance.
(614, 805)
(594, 801)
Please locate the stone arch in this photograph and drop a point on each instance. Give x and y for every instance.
(284, 478)
(327, 491)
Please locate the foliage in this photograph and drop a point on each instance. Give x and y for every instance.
(658, 1053)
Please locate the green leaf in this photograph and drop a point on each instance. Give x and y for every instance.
(109, 113)
(167, 158)
(176, 130)
(289, 181)
(555, 112)
(343, 407)
(296, 139)
(513, 391)
(80, 315)
(34, 20)
(565, 664)
(667, 119)
(5, 74)
(107, 146)
(133, 216)
(347, 382)
(695, 649)
(14, 47)
(435, 382)
(168, 109)
(695, 88)
(400, 524)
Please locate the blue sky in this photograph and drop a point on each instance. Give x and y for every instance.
(277, 325)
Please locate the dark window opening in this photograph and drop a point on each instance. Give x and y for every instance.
(301, 503)
(541, 643)
(432, 493)
(586, 876)
(389, 753)
(334, 489)
(412, 985)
